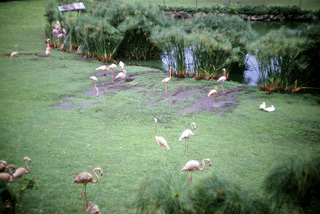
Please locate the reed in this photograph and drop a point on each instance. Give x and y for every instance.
(281, 66)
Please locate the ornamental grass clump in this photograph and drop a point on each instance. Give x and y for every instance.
(218, 195)
(166, 192)
(294, 185)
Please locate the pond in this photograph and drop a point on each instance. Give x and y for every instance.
(250, 76)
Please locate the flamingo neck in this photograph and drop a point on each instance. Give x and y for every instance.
(27, 167)
(203, 165)
(170, 72)
(194, 130)
(94, 172)
(155, 133)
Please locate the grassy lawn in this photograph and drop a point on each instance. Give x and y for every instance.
(49, 114)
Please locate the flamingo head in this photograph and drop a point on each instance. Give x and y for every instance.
(208, 160)
(155, 120)
(26, 159)
(194, 125)
(100, 170)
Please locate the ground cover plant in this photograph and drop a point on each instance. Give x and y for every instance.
(50, 114)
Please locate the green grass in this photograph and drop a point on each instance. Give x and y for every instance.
(116, 131)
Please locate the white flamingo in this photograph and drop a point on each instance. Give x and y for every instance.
(112, 67)
(223, 78)
(166, 80)
(121, 75)
(212, 93)
(193, 165)
(160, 141)
(186, 134)
(94, 80)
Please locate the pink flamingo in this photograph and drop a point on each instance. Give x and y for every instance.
(102, 68)
(84, 178)
(193, 165)
(167, 79)
(212, 93)
(112, 67)
(223, 78)
(94, 80)
(186, 134)
(160, 141)
(121, 75)
(22, 171)
(8, 177)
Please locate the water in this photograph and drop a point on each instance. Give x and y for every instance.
(250, 75)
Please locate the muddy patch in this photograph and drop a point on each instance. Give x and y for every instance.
(64, 105)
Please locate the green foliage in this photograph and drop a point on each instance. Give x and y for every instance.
(294, 184)
(218, 195)
(7, 198)
(166, 192)
(51, 13)
(280, 60)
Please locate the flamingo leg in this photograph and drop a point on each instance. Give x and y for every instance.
(85, 194)
(166, 89)
(222, 87)
(82, 195)
(191, 182)
(165, 157)
(112, 75)
(187, 147)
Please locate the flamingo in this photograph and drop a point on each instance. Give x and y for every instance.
(121, 75)
(8, 177)
(186, 134)
(223, 78)
(94, 80)
(193, 165)
(121, 64)
(112, 67)
(270, 109)
(263, 106)
(167, 79)
(48, 49)
(101, 68)
(22, 171)
(160, 141)
(212, 93)
(84, 178)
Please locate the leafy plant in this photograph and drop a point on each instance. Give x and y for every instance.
(166, 192)
(217, 195)
(294, 184)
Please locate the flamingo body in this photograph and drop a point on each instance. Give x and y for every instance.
(8, 176)
(121, 75)
(222, 79)
(213, 92)
(121, 64)
(22, 171)
(13, 54)
(101, 68)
